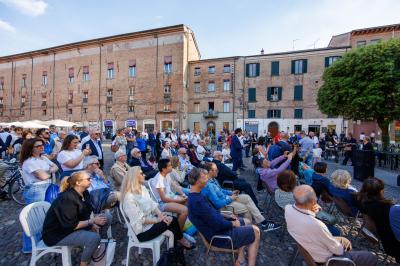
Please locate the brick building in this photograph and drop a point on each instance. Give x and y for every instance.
(155, 79)
(137, 79)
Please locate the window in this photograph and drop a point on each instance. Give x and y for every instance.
(226, 107)
(131, 108)
(298, 113)
(166, 107)
(70, 111)
(211, 70)
(109, 109)
(211, 86)
(44, 78)
(86, 73)
(85, 98)
(330, 60)
(1, 100)
(44, 99)
(131, 90)
(227, 85)
(167, 89)
(23, 100)
(275, 68)
(70, 97)
(197, 107)
(23, 81)
(253, 70)
(109, 95)
(167, 65)
(132, 68)
(227, 68)
(110, 70)
(273, 113)
(197, 71)
(252, 94)
(1, 83)
(225, 126)
(22, 112)
(274, 94)
(84, 110)
(361, 43)
(197, 88)
(71, 75)
(299, 66)
(298, 93)
(297, 128)
(44, 112)
(375, 41)
(251, 114)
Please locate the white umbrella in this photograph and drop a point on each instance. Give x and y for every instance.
(60, 123)
(31, 124)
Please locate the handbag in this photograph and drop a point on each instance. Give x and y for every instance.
(104, 254)
(172, 257)
(51, 193)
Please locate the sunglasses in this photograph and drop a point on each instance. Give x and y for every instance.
(46, 132)
(89, 178)
(38, 145)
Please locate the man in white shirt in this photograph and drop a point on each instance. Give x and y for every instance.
(200, 151)
(314, 236)
(184, 136)
(145, 135)
(194, 139)
(173, 135)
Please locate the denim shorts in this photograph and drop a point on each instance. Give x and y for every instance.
(241, 236)
(35, 193)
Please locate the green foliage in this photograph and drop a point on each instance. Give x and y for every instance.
(364, 84)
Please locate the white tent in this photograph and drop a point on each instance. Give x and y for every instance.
(26, 124)
(60, 123)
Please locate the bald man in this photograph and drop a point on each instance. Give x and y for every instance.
(314, 236)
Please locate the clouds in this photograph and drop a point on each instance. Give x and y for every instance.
(32, 8)
(4, 25)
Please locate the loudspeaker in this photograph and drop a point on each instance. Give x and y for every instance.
(364, 164)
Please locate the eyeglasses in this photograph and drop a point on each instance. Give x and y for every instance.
(89, 178)
(95, 163)
(38, 145)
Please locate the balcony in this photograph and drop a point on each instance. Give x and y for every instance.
(210, 114)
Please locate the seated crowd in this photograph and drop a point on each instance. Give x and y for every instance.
(182, 177)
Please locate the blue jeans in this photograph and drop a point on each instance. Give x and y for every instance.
(33, 193)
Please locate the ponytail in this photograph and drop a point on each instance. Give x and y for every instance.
(64, 184)
(70, 181)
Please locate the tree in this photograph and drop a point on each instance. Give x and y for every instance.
(365, 85)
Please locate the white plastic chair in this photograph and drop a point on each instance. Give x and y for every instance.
(32, 219)
(154, 244)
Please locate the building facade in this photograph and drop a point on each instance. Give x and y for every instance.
(155, 79)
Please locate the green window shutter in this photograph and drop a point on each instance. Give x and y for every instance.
(269, 90)
(298, 93)
(326, 61)
(257, 69)
(251, 113)
(298, 113)
(293, 64)
(269, 113)
(304, 65)
(279, 93)
(278, 113)
(252, 94)
(275, 68)
(247, 70)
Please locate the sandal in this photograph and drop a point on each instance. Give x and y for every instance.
(238, 263)
(186, 244)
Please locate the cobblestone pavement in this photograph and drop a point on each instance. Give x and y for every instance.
(277, 247)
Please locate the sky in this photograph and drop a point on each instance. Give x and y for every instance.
(222, 28)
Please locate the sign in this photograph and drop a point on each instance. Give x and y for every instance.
(108, 123)
(251, 122)
(130, 123)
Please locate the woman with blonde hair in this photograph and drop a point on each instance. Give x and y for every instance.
(68, 221)
(145, 218)
(341, 187)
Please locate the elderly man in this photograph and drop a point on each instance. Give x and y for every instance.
(119, 169)
(241, 203)
(314, 236)
(137, 160)
(184, 160)
(210, 222)
(99, 185)
(226, 174)
(94, 145)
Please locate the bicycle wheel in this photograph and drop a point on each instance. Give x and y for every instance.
(16, 190)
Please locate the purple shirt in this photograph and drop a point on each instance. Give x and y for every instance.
(269, 175)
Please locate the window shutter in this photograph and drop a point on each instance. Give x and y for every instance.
(304, 66)
(326, 61)
(298, 92)
(268, 113)
(293, 66)
(275, 68)
(252, 94)
(247, 69)
(278, 113)
(269, 91)
(257, 69)
(279, 93)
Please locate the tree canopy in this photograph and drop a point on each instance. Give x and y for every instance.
(364, 85)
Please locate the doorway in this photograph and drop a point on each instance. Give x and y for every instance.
(315, 129)
(211, 127)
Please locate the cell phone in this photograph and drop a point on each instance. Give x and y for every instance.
(87, 146)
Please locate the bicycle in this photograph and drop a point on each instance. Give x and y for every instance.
(14, 184)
